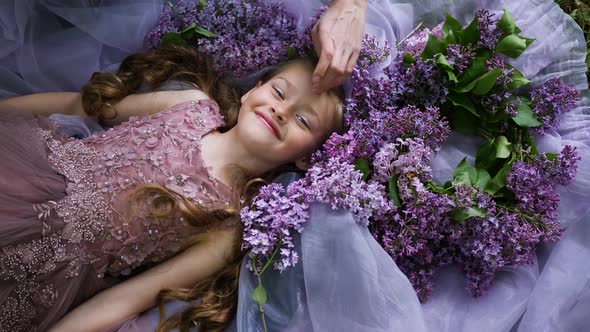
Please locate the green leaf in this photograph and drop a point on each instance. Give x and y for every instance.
(464, 173)
(442, 63)
(496, 148)
(452, 77)
(259, 295)
(463, 214)
(462, 178)
(525, 117)
(450, 29)
(503, 147)
(362, 165)
(464, 122)
(192, 26)
(482, 178)
(433, 46)
(470, 35)
(291, 53)
(408, 59)
(482, 84)
(204, 32)
(462, 100)
(499, 180)
(202, 4)
(477, 212)
(512, 45)
(486, 82)
(463, 167)
(393, 190)
(475, 70)
(518, 80)
(507, 23)
(459, 215)
(551, 156)
(469, 175)
(172, 38)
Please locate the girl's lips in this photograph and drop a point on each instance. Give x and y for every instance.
(265, 120)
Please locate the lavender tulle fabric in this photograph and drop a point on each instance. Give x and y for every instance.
(345, 281)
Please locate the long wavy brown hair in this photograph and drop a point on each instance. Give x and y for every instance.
(217, 295)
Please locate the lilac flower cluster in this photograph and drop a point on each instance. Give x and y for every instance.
(171, 20)
(421, 84)
(402, 157)
(534, 184)
(488, 243)
(489, 31)
(251, 34)
(550, 100)
(417, 235)
(341, 185)
(460, 56)
(501, 99)
(271, 220)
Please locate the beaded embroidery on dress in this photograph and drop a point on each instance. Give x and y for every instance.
(84, 238)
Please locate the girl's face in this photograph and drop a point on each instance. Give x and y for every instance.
(282, 121)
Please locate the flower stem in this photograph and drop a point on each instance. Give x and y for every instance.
(259, 275)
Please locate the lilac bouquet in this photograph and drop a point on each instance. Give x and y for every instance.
(488, 216)
(240, 37)
(451, 77)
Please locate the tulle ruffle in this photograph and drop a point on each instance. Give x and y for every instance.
(28, 187)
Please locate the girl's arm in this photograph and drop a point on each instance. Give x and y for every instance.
(48, 103)
(137, 294)
(70, 103)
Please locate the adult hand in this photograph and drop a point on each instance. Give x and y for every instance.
(337, 40)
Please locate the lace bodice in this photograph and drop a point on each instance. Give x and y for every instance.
(103, 169)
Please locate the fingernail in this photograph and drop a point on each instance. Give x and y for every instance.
(315, 79)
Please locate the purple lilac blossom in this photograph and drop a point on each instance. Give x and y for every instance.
(421, 84)
(272, 218)
(501, 99)
(372, 52)
(341, 185)
(489, 31)
(414, 237)
(251, 34)
(459, 56)
(550, 100)
(534, 184)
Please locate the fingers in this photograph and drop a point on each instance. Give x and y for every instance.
(332, 72)
(326, 53)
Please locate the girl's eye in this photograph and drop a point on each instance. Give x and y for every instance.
(304, 121)
(279, 92)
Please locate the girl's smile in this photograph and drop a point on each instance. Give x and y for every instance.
(270, 124)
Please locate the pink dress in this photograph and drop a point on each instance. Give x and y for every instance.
(64, 232)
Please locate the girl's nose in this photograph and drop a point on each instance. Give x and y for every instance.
(280, 112)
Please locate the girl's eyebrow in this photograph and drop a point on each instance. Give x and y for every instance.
(289, 84)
